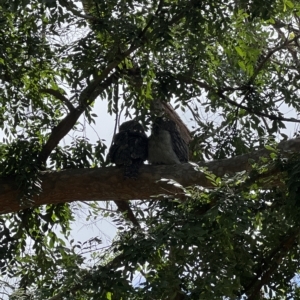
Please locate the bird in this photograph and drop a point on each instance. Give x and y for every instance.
(165, 145)
(129, 148)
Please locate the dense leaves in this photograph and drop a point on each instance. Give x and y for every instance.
(231, 66)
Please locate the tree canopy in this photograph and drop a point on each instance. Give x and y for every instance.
(226, 225)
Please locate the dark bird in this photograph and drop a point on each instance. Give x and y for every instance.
(165, 145)
(129, 148)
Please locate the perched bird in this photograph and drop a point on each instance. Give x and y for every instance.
(129, 148)
(165, 145)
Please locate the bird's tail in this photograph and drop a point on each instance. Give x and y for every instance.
(132, 170)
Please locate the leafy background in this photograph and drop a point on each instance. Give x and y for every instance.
(232, 66)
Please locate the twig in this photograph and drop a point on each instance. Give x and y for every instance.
(258, 113)
(77, 13)
(273, 262)
(57, 94)
(227, 99)
(267, 57)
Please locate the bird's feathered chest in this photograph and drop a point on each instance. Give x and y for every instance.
(166, 149)
(128, 146)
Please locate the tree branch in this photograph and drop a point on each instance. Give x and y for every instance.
(267, 57)
(59, 132)
(268, 269)
(57, 94)
(76, 12)
(256, 112)
(109, 184)
(228, 100)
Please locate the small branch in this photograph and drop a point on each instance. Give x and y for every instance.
(291, 48)
(77, 13)
(227, 99)
(123, 207)
(178, 17)
(270, 53)
(57, 94)
(258, 113)
(268, 269)
(187, 79)
(59, 132)
(143, 32)
(265, 59)
(88, 93)
(266, 125)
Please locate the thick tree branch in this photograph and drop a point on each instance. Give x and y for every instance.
(108, 183)
(59, 132)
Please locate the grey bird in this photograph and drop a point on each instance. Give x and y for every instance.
(165, 145)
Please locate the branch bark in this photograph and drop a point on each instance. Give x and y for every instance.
(103, 184)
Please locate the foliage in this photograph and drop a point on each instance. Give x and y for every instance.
(233, 66)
